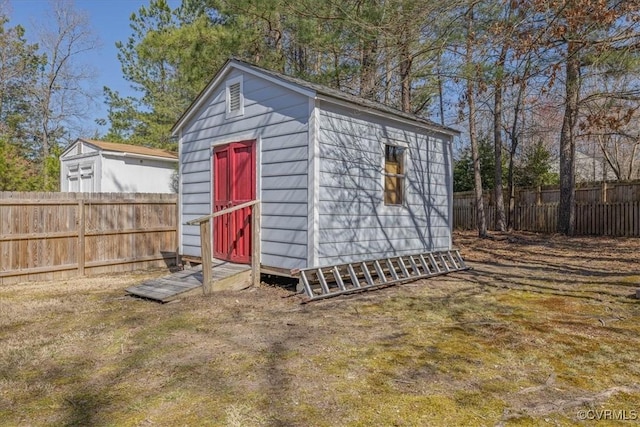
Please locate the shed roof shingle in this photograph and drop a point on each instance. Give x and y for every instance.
(133, 149)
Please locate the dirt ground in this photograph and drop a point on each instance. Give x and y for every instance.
(544, 330)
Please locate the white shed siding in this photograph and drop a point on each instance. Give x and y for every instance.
(278, 118)
(354, 223)
(123, 174)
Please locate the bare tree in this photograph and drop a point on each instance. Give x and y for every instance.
(472, 74)
(510, 65)
(581, 35)
(609, 124)
(61, 97)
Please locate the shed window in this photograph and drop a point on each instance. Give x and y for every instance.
(394, 171)
(235, 98)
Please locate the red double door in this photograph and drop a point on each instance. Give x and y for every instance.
(234, 183)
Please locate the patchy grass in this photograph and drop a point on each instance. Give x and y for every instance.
(541, 328)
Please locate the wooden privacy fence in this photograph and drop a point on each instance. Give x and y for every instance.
(45, 236)
(598, 192)
(602, 208)
(602, 219)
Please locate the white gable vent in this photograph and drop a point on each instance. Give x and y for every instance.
(235, 99)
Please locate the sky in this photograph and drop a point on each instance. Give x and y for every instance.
(110, 20)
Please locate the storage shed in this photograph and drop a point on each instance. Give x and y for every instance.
(92, 166)
(340, 179)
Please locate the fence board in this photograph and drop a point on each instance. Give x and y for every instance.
(47, 235)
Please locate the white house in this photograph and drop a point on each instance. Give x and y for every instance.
(340, 178)
(94, 166)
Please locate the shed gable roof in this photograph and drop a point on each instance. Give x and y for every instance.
(308, 89)
(116, 147)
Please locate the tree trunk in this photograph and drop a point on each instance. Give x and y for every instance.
(388, 70)
(368, 65)
(475, 155)
(500, 217)
(566, 209)
(514, 140)
(46, 148)
(405, 75)
(440, 91)
(512, 189)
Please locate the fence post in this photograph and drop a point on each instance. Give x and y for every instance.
(81, 231)
(538, 195)
(603, 194)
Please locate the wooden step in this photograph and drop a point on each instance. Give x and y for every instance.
(226, 276)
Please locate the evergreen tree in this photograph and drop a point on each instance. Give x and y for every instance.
(19, 64)
(463, 179)
(353, 46)
(16, 172)
(536, 168)
(169, 58)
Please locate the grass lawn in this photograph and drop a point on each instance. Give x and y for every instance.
(542, 331)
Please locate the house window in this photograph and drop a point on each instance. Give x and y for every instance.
(235, 98)
(394, 175)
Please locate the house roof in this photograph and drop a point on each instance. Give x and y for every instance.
(309, 89)
(117, 147)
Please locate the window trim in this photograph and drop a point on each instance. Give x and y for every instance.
(402, 176)
(228, 84)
